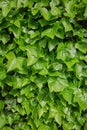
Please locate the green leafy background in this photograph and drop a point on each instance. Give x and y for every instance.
(43, 64)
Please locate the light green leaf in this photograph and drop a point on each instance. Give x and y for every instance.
(26, 105)
(33, 34)
(5, 8)
(56, 114)
(33, 55)
(66, 51)
(81, 46)
(66, 24)
(55, 11)
(4, 38)
(45, 13)
(49, 33)
(81, 70)
(2, 120)
(7, 128)
(11, 64)
(44, 127)
(81, 98)
(54, 3)
(27, 92)
(1, 105)
(70, 8)
(57, 84)
(67, 95)
(85, 13)
(2, 73)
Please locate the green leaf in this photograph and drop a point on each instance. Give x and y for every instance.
(54, 3)
(81, 98)
(5, 8)
(81, 70)
(45, 13)
(57, 84)
(7, 128)
(55, 11)
(52, 44)
(44, 127)
(27, 91)
(26, 105)
(66, 52)
(66, 24)
(81, 46)
(4, 38)
(67, 95)
(1, 105)
(33, 55)
(85, 13)
(49, 33)
(33, 34)
(11, 64)
(70, 8)
(2, 73)
(56, 114)
(2, 120)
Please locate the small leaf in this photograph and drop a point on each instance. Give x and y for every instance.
(57, 84)
(55, 11)
(81, 98)
(81, 46)
(2, 120)
(45, 13)
(11, 64)
(49, 33)
(66, 24)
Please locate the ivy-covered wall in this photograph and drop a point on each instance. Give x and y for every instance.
(43, 64)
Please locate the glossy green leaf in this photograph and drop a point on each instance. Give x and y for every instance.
(2, 120)
(83, 98)
(67, 25)
(57, 85)
(82, 46)
(45, 13)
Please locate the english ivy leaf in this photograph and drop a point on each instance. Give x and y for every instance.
(49, 33)
(11, 64)
(5, 8)
(33, 55)
(59, 30)
(56, 114)
(66, 24)
(26, 105)
(66, 51)
(70, 8)
(7, 128)
(33, 34)
(45, 13)
(36, 8)
(27, 92)
(55, 11)
(81, 98)
(2, 73)
(44, 127)
(67, 95)
(57, 84)
(52, 44)
(1, 105)
(4, 38)
(85, 13)
(54, 3)
(2, 120)
(81, 70)
(82, 46)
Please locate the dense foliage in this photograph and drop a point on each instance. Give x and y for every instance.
(43, 64)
